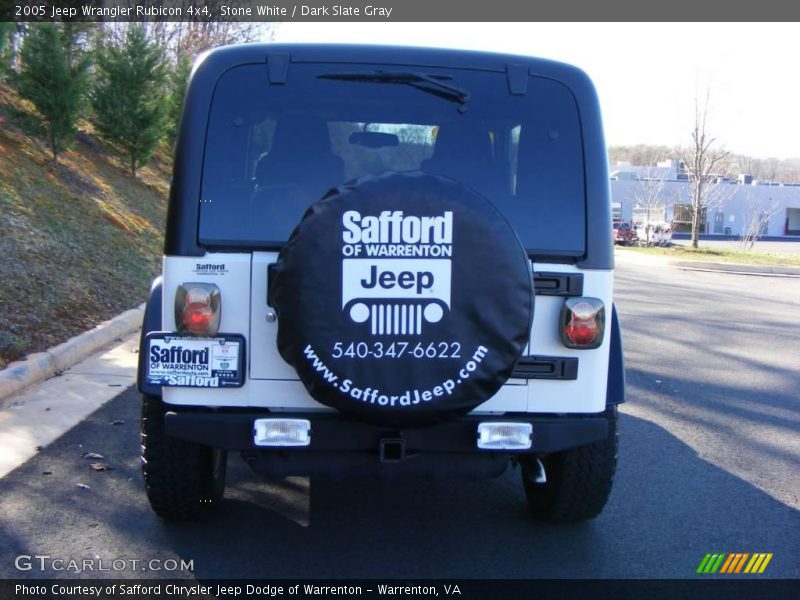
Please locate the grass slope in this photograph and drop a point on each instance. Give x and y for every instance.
(78, 243)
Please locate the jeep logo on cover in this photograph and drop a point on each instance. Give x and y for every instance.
(384, 280)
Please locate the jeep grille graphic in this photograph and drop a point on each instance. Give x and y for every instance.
(396, 319)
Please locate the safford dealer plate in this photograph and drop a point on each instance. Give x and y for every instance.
(189, 361)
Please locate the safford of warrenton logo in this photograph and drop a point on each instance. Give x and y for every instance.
(396, 270)
(209, 269)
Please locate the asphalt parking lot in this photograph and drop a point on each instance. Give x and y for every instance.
(709, 462)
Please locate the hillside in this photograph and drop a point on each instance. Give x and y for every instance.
(79, 243)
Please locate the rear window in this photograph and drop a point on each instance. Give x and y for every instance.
(272, 150)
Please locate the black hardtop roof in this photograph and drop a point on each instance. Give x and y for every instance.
(382, 54)
(225, 57)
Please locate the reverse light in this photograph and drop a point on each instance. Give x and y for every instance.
(583, 322)
(282, 432)
(504, 436)
(197, 308)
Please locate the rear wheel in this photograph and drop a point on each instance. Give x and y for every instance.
(578, 482)
(183, 480)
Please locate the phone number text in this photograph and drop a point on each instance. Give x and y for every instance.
(391, 350)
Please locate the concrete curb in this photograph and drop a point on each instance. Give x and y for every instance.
(737, 269)
(41, 365)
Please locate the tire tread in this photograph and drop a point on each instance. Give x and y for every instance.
(579, 480)
(178, 475)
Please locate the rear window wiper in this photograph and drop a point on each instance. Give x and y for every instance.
(432, 84)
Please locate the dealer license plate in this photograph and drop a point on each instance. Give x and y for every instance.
(198, 362)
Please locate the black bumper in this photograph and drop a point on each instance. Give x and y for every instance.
(333, 432)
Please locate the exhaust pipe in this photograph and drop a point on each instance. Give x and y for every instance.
(534, 471)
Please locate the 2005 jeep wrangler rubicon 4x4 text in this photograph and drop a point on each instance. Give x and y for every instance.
(390, 259)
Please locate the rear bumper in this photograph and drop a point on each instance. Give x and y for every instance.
(334, 432)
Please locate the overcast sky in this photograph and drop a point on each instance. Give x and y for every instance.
(646, 73)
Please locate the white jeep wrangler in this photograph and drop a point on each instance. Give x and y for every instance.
(387, 259)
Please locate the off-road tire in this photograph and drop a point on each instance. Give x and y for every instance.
(579, 480)
(183, 480)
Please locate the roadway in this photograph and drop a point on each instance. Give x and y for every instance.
(709, 462)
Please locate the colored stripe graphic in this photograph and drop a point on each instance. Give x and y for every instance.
(710, 563)
(733, 563)
(741, 562)
(758, 563)
(716, 564)
(765, 563)
(703, 563)
(756, 558)
(729, 563)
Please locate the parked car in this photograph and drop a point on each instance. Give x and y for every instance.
(355, 242)
(624, 234)
(656, 234)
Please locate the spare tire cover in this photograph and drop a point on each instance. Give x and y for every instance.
(404, 298)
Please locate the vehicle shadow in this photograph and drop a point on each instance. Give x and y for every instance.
(668, 508)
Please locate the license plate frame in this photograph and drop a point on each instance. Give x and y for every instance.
(179, 360)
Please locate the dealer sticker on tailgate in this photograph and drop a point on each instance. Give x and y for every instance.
(188, 361)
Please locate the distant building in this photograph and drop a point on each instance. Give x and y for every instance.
(674, 203)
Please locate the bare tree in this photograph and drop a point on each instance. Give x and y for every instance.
(190, 38)
(747, 165)
(770, 170)
(756, 219)
(649, 195)
(638, 154)
(703, 159)
(790, 170)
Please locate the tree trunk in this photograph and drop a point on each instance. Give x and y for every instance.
(696, 195)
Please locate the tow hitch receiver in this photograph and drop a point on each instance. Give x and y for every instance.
(393, 450)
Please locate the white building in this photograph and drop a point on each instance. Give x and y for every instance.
(735, 204)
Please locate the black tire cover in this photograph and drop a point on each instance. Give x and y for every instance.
(404, 298)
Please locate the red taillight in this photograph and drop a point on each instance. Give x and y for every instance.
(582, 323)
(197, 318)
(197, 308)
